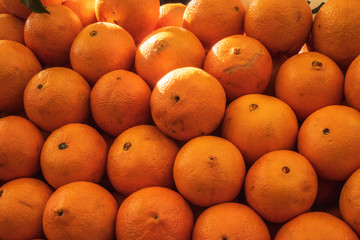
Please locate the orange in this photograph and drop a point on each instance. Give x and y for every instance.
(80, 210)
(309, 81)
(282, 26)
(316, 226)
(85, 9)
(18, 65)
(101, 48)
(142, 156)
(330, 141)
(281, 185)
(120, 99)
(74, 152)
(2, 8)
(154, 213)
(171, 14)
(138, 17)
(258, 124)
(11, 28)
(336, 31)
(230, 221)
(57, 96)
(212, 20)
(352, 84)
(22, 202)
(20, 146)
(50, 36)
(167, 49)
(187, 102)
(241, 64)
(209, 170)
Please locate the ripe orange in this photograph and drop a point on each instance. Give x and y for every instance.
(142, 156)
(352, 84)
(22, 202)
(85, 9)
(80, 210)
(187, 102)
(241, 64)
(120, 99)
(258, 124)
(330, 141)
(167, 49)
(212, 20)
(308, 82)
(50, 36)
(154, 213)
(282, 26)
(281, 185)
(101, 48)
(11, 28)
(57, 96)
(230, 221)
(209, 170)
(20, 146)
(18, 65)
(316, 226)
(171, 14)
(138, 17)
(74, 152)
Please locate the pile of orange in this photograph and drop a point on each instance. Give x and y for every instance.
(140, 121)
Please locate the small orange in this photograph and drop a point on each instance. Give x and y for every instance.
(209, 170)
(50, 36)
(20, 146)
(171, 14)
(330, 141)
(120, 99)
(187, 102)
(212, 20)
(241, 64)
(74, 152)
(230, 221)
(22, 202)
(142, 156)
(11, 28)
(258, 124)
(352, 84)
(85, 9)
(166, 49)
(57, 96)
(80, 210)
(154, 213)
(101, 48)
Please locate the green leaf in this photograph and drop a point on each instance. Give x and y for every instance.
(35, 6)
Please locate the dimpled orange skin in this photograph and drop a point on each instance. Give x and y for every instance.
(85, 9)
(171, 14)
(352, 84)
(11, 28)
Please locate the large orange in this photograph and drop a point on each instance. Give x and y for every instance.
(166, 49)
(101, 48)
(20, 146)
(80, 210)
(85, 9)
(281, 185)
(18, 65)
(50, 35)
(187, 102)
(57, 96)
(308, 82)
(282, 26)
(329, 139)
(120, 99)
(316, 226)
(230, 221)
(209, 170)
(138, 17)
(142, 156)
(258, 124)
(336, 31)
(11, 28)
(171, 14)
(74, 152)
(212, 20)
(154, 213)
(352, 84)
(241, 64)
(22, 202)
